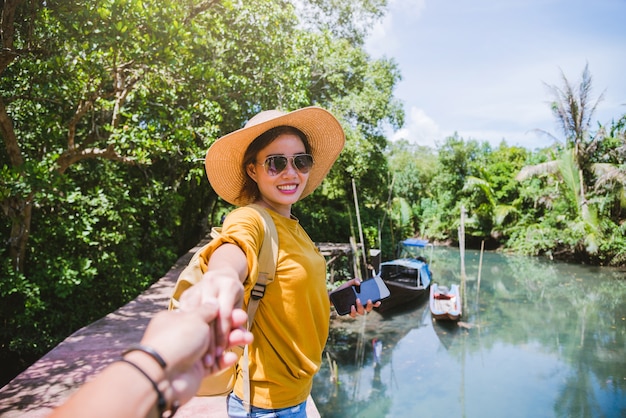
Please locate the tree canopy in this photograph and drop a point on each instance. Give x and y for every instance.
(106, 112)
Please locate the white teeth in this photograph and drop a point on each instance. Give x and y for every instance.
(288, 188)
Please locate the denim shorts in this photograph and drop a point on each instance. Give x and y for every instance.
(236, 410)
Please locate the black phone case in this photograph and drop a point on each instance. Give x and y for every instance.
(373, 289)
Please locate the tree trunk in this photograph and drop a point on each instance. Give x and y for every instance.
(21, 216)
(7, 28)
(584, 208)
(16, 208)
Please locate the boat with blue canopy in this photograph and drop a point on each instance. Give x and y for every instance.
(408, 277)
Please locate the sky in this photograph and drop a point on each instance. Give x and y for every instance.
(480, 68)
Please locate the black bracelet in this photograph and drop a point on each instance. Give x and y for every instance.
(149, 351)
(161, 402)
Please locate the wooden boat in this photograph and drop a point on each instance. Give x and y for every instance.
(445, 304)
(407, 278)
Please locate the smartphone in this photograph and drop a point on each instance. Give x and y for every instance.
(373, 289)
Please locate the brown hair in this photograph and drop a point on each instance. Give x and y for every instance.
(250, 190)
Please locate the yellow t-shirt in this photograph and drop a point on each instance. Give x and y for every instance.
(291, 324)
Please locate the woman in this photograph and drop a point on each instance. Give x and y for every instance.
(274, 161)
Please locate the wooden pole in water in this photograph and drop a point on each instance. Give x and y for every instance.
(463, 301)
(355, 259)
(358, 221)
(480, 266)
(462, 253)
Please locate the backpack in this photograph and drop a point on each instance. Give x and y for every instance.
(221, 383)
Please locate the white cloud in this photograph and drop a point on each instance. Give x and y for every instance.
(381, 41)
(479, 68)
(419, 129)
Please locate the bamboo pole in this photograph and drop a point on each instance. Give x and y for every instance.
(462, 254)
(358, 221)
(480, 266)
(356, 266)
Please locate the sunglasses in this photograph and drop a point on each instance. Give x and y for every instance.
(276, 164)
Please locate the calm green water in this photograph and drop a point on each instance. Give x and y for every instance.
(541, 339)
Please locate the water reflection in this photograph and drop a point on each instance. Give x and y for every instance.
(538, 338)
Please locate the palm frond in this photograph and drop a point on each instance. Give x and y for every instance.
(569, 171)
(573, 108)
(401, 210)
(593, 236)
(501, 212)
(538, 170)
(608, 174)
(472, 182)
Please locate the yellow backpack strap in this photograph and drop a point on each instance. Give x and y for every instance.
(215, 232)
(268, 257)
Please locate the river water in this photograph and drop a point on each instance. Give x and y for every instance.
(537, 339)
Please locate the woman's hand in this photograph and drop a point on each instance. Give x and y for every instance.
(184, 340)
(359, 309)
(222, 283)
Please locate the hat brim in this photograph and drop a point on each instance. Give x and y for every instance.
(224, 158)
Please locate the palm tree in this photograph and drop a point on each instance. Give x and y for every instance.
(573, 109)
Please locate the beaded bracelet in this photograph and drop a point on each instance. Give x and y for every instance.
(149, 351)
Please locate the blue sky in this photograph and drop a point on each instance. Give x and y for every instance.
(480, 67)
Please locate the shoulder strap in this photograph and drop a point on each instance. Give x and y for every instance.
(268, 257)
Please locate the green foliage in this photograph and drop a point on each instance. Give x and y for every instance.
(91, 239)
(411, 169)
(492, 197)
(612, 249)
(456, 161)
(108, 109)
(534, 203)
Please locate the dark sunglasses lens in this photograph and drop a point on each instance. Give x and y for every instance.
(275, 164)
(303, 163)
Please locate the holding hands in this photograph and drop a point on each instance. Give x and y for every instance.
(185, 340)
(164, 371)
(222, 284)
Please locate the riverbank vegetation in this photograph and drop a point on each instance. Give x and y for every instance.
(108, 107)
(565, 201)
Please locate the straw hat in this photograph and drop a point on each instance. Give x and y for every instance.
(224, 158)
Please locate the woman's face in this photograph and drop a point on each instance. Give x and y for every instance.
(281, 190)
